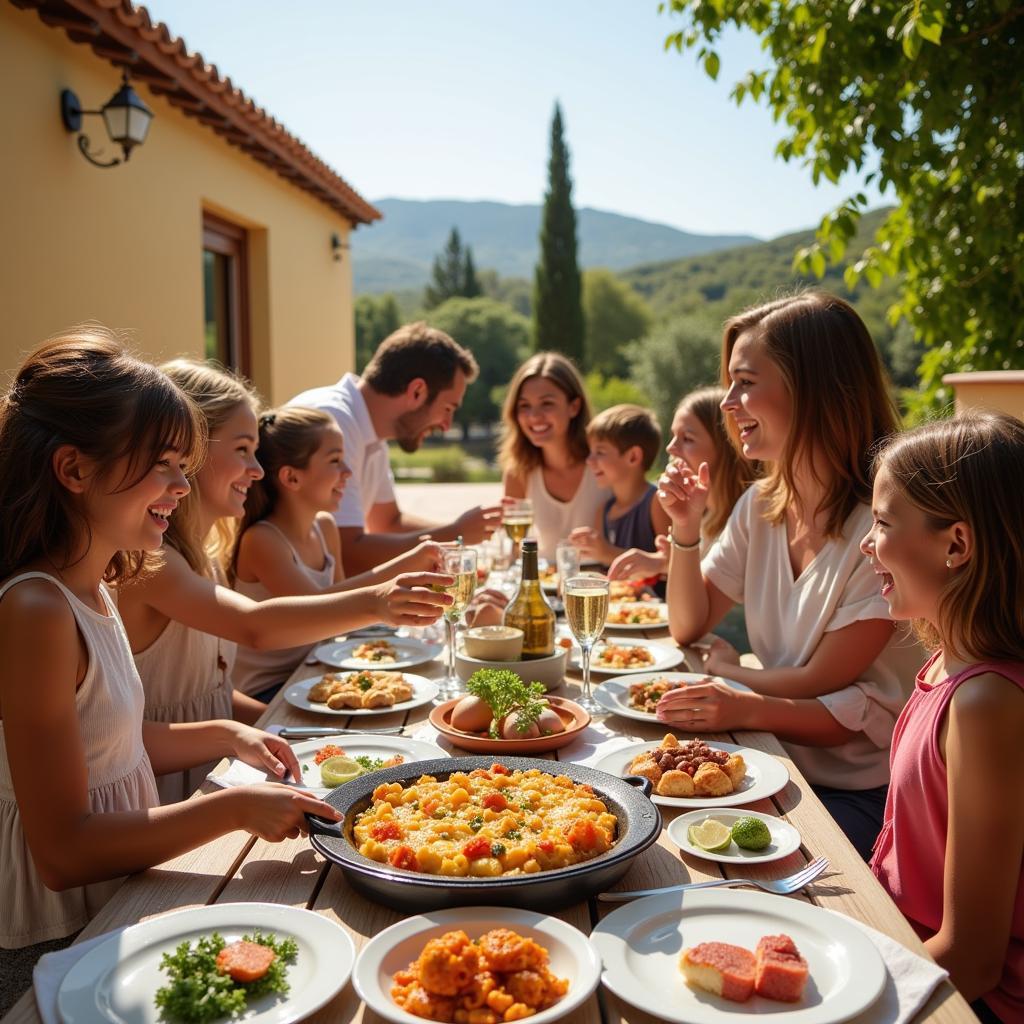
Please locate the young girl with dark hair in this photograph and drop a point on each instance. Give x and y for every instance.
(94, 451)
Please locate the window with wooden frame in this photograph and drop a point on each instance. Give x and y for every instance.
(226, 293)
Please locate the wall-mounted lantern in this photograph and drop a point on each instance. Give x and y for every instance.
(124, 114)
(338, 246)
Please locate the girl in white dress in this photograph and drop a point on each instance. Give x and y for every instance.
(94, 449)
(184, 624)
(544, 449)
(807, 397)
(288, 543)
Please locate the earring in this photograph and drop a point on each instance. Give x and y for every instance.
(949, 563)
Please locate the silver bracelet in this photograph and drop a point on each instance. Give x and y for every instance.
(684, 547)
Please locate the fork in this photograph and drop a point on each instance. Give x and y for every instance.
(778, 886)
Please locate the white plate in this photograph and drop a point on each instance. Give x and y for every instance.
(640, 945)
(117, 980)
(664, 657)
(614, 693)
(423, 692)
(785, 838)
(570, 955)
(765, 775)
(409, 651)
(357, 746)
(660, 606)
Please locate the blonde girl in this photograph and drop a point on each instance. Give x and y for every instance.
(184, 624)
(698, 435)
(948, 553)
(807, 398)
(544, 448)
(94, 450)
(287, 542)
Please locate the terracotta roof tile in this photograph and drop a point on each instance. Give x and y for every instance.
(125, 34)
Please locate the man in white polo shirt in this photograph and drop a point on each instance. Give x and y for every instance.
(412, 386)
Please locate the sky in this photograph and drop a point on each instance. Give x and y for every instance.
(452, 99)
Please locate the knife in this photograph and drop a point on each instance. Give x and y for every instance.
(308, 732)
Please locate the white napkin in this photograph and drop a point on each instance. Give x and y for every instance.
(50, 969)
(909, 982)
(428, 734)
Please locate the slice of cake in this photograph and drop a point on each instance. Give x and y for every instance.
(718, 967)
(780, 972)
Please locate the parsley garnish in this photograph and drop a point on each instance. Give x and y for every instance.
(504, 692)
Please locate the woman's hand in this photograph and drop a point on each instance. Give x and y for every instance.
(408, 599)
(683, 495)
(487, 608)
(635, 564)
(274, 812)
(705, 707)
(264, 750)
(720, 657)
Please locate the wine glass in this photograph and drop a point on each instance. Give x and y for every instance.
(586, 608)
(517, 518)
(459, 563)
(567, 563)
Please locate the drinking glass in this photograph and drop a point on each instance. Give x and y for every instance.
(517, 518)
(586, 608)
(459, 563)
(567, 563)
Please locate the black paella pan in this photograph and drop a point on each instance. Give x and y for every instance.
(639, 825)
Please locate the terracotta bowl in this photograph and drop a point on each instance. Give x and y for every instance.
(572, 715)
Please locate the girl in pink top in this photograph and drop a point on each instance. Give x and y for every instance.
(946, 541)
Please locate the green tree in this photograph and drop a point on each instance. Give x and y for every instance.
(674, 359)
(930, 92)
(376, 317)
(470, 283)
(604, 392)
(497, 336)
(614, 315)
(557, 310)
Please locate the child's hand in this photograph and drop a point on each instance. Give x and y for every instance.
(275, 812)
(683, 495)
(477, 524)
(487, 608)
(425, 557)
(635, 564)
(408, 599)
(264, 750)
(591, 545)
(705, 707)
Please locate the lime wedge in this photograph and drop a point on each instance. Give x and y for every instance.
(336, 770)
(710, 835)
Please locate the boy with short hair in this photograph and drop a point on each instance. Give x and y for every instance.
(624, 442)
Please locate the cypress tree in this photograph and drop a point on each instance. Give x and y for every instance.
(557, 307)
(470, 284)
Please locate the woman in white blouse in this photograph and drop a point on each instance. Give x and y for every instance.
(807, 397)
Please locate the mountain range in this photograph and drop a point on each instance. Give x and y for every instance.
(398, 251)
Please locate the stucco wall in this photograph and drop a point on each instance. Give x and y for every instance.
(123, 246)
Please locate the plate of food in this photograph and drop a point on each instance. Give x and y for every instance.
(734, 836)
(636, 615)
(391, 652)
(620, 658)
(630, 590)
(548, 576)
(274, 963)
(361, 693)
(727, 955)
(694, 773)
(322, 762)
(535, 960)
(638, 696)
(556, 725)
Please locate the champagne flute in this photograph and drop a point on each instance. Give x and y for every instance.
(459, 563)
(517, 518)
(586, 608)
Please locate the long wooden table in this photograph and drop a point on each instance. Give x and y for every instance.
(239, 868)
